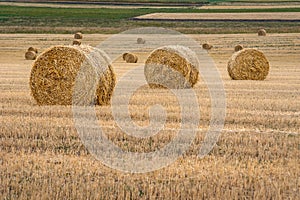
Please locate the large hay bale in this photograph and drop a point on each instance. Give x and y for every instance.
(174, 67)
(76, 42)
(248, 64)
(30, 55)
(53, 76)
(238, 48)
(207, 46)
(33, 49)
(78, 36)
(262, 32)
(141, 41)
(130, 58)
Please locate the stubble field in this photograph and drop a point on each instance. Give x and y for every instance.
(256, 156)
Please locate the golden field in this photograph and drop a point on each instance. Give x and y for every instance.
(256, 156)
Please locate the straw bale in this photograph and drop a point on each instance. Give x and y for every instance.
(55, 77)
(33, 49)
(78, 36)
(238, 47)
(141, 41)
(248, 64)
(262, 32)
(174, 67)
(130, 58)
(207, 46)
(30, 55)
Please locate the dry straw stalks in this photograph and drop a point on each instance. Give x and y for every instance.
(53, 75)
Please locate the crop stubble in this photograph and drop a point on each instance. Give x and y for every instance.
(257, 154)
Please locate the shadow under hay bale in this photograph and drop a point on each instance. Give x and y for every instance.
(33, 49)
(174, 67)
(207, 46)
(141, 41)
(238, 48)
(63, 75)
(30, 55)
(76, 42)
(78, 36)
(130, 58)
(248, 64)
(262, 32)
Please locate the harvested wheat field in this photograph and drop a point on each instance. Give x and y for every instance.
(256, 156)
(262, 16)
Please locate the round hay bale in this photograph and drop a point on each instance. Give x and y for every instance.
(262, 32)
(53, 76)
(76, 42)
(248, 64)
(174, 67)
(207, 46)
(141, 41)
(33, 49)
(238, 48)
(30, 55)
(130, 58)
(78, 36)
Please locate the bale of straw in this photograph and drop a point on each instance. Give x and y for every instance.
(238, 47)
(141, 41)
(262, 32)
(78, 36)
(30, 55)
(130, 58)
(57, 78)
(174, 67)
(207, 46)
(248, 64)
(76, 42)
(33, 49)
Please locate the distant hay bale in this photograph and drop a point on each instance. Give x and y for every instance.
(248, 64)
(33, 49)
(262, 32)
(76, 42)
(30, 55)
(238, 47)
(141, 41)
(53, 76)
(174, 67)
(78, 36)
(207, 46)
(130, 58)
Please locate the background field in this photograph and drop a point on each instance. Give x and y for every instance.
(257, 155)
(113, 20)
